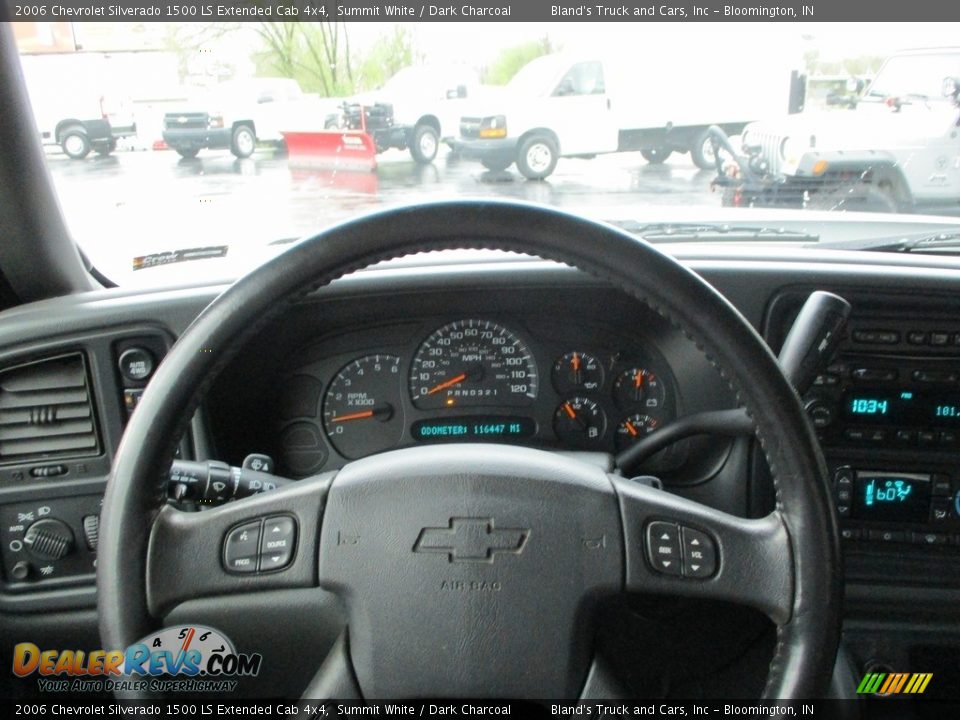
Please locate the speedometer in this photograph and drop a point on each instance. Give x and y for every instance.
(473, 362)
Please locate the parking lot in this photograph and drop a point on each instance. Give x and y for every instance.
(132, 202)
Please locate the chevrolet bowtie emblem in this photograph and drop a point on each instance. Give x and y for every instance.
(471, 540)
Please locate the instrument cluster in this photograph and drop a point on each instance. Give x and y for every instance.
(475, 380)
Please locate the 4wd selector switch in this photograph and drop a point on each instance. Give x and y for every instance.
(49, 539)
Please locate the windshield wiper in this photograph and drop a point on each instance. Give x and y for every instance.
(946, 243)
(697, 232)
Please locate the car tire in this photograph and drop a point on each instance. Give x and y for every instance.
(537, 157)
(187, 153)
(702, 152)
(75, 142)
(424, 144)
(244, 141)
(656, 156)
(496, 164)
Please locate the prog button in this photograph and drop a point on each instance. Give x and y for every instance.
(241, 548)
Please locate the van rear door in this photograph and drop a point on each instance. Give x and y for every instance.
(580, 111)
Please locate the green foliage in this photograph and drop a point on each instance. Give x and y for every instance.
(316, 55)
(389, 54)
(511, 59)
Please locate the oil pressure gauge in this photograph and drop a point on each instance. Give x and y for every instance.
(577, 372)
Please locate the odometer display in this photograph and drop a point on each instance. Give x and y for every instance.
(471, 363)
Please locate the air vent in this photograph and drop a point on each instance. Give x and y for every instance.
(46, 411)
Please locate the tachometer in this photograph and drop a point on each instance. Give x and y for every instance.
(470, 363)
(362, 413)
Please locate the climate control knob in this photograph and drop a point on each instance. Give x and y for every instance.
(49, 539)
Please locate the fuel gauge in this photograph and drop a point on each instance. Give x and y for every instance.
(577, 372)
(580, 422)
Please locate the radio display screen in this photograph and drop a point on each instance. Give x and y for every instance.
(897, 497)
(908, 407)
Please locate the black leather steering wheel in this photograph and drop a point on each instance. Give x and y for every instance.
(459, 564)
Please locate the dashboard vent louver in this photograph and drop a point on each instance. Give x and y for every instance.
(46, 410)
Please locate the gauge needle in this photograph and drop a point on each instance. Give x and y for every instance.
(568, 408)
(383, 411)
(575, 363)
(447, 383)
(631, 429)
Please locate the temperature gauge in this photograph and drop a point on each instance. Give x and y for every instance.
(638, 387)
(580, 422)
(577, 372)
(634, 427)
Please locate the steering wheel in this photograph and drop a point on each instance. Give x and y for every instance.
(474, 570)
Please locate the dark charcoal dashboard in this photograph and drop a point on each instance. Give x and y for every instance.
(509, 351)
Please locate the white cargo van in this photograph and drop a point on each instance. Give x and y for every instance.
(576, 106)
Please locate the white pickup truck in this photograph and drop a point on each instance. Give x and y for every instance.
(424, 103)
(575, 106)
(898, 150)
(239, 114)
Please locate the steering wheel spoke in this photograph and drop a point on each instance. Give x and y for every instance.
(676, 546)
(262, 542)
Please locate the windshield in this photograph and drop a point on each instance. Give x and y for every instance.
(918, 75)
(192, 152)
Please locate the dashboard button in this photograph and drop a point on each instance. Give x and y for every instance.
(278, 542)
(942, 486)
(888, 535)
(926, 437)
(849, 533)
(907, 437)
(940, 510)
(873, 374)
(929, 538)
(663, 547)
(240, 549)
(917, 337)
(939, 338)
(136, 364)
(699, 553)
(843, 510)
(935, 376)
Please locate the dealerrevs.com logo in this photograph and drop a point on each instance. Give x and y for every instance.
(190, 658)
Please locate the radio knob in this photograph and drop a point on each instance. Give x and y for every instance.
(49, 539)
(820, 413)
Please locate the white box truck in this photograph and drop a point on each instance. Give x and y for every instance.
(78, 103)
(565, 105)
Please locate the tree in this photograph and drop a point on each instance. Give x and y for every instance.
(510, 60)
(388, 55)
(316, 54)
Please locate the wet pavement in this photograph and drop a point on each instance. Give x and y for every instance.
(136, 202)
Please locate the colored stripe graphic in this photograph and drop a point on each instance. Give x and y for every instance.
(894, 683)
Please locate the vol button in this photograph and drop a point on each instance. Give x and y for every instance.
(699, 554)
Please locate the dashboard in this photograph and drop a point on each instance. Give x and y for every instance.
(537, 381)
(533, 353)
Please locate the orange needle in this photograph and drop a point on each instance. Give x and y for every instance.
(631, 429)
(354, 416)
(570, 412)
(638, 379)
(575, 362)
(447, 383)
